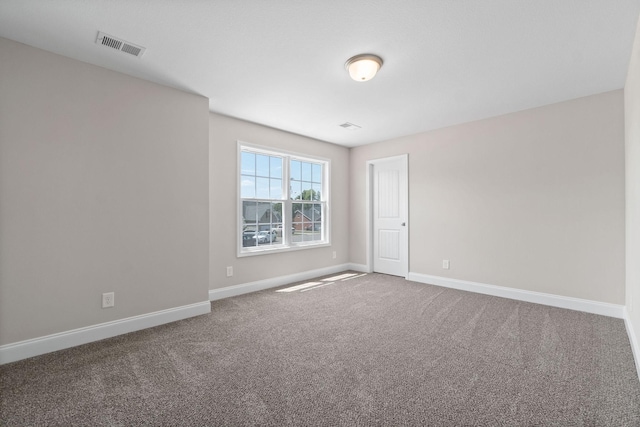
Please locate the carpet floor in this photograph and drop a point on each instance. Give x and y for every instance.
(359, 350)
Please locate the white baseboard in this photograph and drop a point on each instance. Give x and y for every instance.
(37, 346)
(245, 288)
(588, 306)
(362, 268)
(633, 340)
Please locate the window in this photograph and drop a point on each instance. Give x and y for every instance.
(283, 200)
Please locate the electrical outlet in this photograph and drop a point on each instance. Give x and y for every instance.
(334, 254)
(445, 264)
(229, 271)
(108, 300)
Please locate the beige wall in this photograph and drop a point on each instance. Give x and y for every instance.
(632, 154)
(103, 187)
(224, 132)
(532, 200)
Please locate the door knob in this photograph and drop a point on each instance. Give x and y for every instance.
(403, 224)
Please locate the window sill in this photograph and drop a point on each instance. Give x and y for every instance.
(281, 249)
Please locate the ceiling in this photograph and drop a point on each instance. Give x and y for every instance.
(280, 63)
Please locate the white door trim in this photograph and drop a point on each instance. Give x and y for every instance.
(369, 202)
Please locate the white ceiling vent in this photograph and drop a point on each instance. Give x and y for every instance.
(350, 126)
(119, 44)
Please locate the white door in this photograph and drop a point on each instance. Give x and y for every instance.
(390, 215)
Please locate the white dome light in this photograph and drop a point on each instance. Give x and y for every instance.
(363, 67)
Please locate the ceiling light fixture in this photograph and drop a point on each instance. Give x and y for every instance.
(363, 67)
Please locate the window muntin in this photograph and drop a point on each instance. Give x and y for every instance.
(306, 185)
(307, 221)
(275, 216)
(261, 220)
(261, 176)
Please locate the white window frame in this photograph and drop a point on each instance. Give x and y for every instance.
(286, 243)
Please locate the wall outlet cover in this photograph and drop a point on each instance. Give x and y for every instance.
(108, 300)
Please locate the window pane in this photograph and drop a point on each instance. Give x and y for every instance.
(296, 234)
(295, 170)
(296, 214)
(276, 214)
(315, 234)
(306, 191)
(249, 216)
(248, 163)
(259, 228)
(249, 238)
(267, 237)
(276, 168)
(306, 171)
(276, 188)
(247, 187)
(316, 173)
(264, 213)
(316, 191)
(296, 190)
(262, 165)
(308, 235)
(262, 188)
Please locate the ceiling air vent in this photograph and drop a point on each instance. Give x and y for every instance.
(350, 126)
(119, 44)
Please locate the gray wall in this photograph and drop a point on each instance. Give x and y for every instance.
(632, 152)
(224, 132)
(532, 200)
(103, 187)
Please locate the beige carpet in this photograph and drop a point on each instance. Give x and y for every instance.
(366, 351)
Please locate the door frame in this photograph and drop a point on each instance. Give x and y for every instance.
(369, 203)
